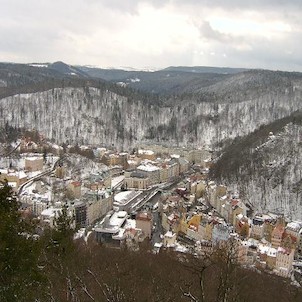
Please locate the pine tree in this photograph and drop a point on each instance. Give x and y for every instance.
(20, 278)
(62, 235)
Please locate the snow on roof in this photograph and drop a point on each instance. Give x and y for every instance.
(158, 244)
(294, 225)
(22, 174)
(112, 224)
(169, 234)
(263, 249)
(119, 235)
(240, 216)
(130, 223)
(79, 234)
(33, 158)
(12, 184)
(126, 196)
(131, 161)
(253, 242)
(123, 153)
(175, 156)
(147, 152)
(50, 212)
(116, 180)
(180, 248)
(283, 250)
(272, 252)
(148, 168)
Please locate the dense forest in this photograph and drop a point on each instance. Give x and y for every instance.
(52, 266)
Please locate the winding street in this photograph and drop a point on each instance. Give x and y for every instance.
(44, 173)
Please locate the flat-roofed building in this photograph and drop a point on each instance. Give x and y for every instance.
(110, 226)
(125, 199)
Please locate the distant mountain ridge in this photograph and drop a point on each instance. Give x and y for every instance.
(171, 107)
(206, 69)
(171, 80)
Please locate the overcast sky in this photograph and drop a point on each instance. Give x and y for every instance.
(153, 33)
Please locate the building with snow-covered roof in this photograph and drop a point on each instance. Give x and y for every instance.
(48, 216)
(16, 178)
(151, 171)
(169, 239)
(137, 180)
(33, 164)
(39, 205)
(284, 261)
(124, 199)
(110, 226)
(146, 154)
(271, 255)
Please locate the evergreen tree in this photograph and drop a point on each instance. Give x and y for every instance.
(62, 235)
(20, 278)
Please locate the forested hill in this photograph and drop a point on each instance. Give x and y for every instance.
(266, 166)
(66, 107)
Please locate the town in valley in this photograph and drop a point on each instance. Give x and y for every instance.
(161, 195)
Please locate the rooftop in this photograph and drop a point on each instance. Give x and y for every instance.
(148, 168)
(144, 216)
(147, 152)
(112, 224)
(124, 197)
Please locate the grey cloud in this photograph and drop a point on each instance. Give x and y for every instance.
(36, 30)
(243, 4)
(130, 6)
(206, 31)
(283, 54)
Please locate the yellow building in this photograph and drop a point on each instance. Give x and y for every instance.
(146, 154)
(33, 164)
(136, 180)
(14, 178)
(195, 220)
(60, 172)
(163, 174)
(98, 207)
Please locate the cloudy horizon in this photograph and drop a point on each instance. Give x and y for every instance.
(153, 33)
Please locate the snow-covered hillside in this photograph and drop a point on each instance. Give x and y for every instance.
(92, 116)
(267, 170)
